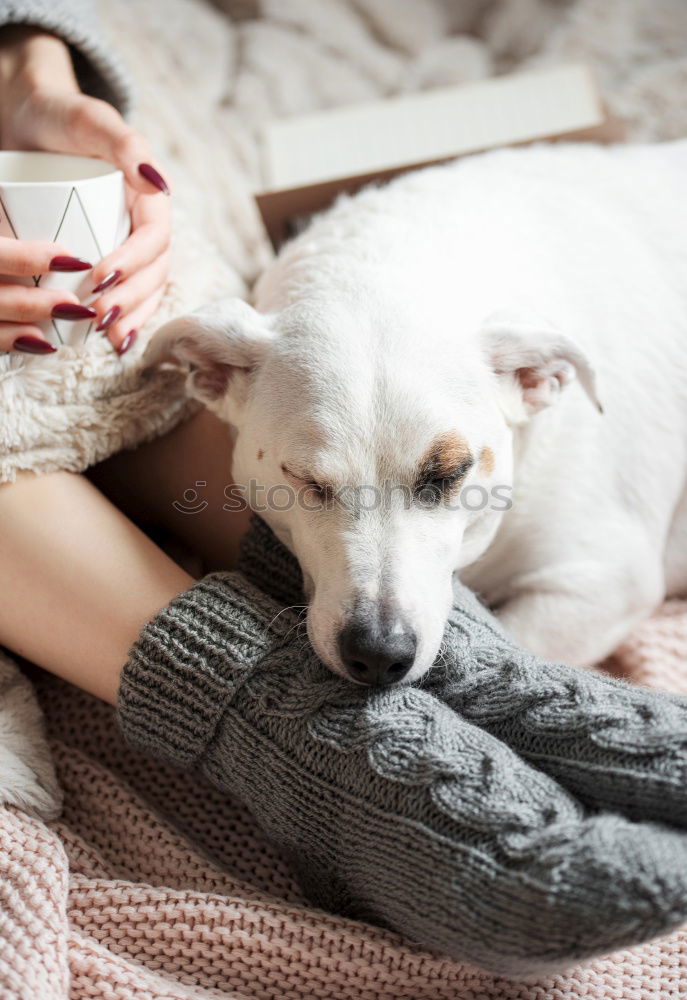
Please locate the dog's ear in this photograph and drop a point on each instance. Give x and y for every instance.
(223, 344)
(534, 363)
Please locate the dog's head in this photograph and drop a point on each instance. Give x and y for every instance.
(383, 463)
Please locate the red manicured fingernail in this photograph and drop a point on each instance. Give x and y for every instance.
(64, 263)
(109, 318)
(153, 177)
(33, 345)
(110, 279)
(127, 342)
(67, 310)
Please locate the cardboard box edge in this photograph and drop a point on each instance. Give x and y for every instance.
(277, 207)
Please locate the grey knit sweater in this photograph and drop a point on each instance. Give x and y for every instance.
(396, 808)
(98, 69)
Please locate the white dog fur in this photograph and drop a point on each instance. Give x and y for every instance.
(444, 315)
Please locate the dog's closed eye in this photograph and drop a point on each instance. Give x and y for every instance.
(304, 480)
(443, 467)
(435, 487)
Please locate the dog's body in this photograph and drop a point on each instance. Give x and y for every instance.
(410, 337)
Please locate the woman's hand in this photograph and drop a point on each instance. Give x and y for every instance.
(41, 107)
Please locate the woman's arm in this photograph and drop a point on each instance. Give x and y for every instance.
(98, 70)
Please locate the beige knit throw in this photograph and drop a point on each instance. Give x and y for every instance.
(151, 885)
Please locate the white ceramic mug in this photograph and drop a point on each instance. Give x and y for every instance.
(76, 201)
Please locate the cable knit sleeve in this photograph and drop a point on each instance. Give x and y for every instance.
(98, 70)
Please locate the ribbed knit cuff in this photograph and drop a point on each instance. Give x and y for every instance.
(189, 662)
(99, 72)
(268, 564)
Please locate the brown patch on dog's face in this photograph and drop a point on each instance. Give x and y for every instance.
(486, 461)
(445, 463)
(261, 454)
(446, 453)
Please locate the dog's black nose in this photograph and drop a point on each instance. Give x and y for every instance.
(374, 657)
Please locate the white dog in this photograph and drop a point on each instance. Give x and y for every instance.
(424, 346)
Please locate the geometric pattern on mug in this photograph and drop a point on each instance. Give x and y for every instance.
(90, 235)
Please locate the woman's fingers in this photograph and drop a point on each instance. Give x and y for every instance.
(116, 308)
(95, 128)
(70, 122)
(67, 121)
(123, 334)
(25, 338)
(151, 224)
(141, 297)
(27, 304)
(24, 304)
(23, 258)
(132, 280)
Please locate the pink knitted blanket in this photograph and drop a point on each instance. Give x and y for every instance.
(154, 887)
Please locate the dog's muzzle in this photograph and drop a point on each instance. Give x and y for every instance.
(377, 648)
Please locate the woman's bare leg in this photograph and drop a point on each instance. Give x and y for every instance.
(79, 580)
(164, 483)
